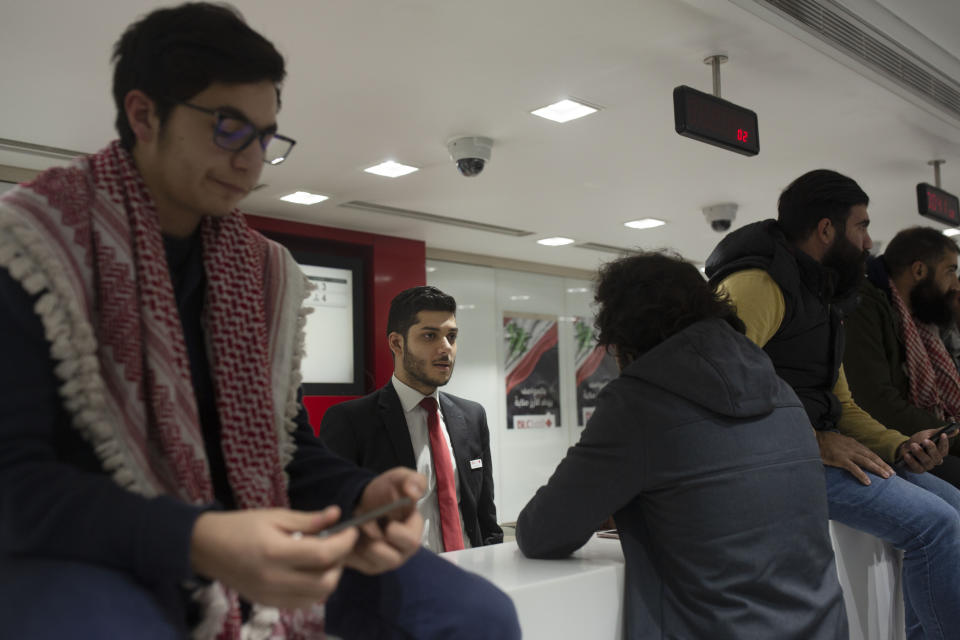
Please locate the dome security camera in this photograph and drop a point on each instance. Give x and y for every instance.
(471, 153)
(720, 216)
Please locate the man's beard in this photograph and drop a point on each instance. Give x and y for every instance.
(417, 369)
(848, 262)
(930, 305)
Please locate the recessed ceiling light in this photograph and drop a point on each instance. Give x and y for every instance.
(644, 223)
(466, 306)
(578, 290)
(519, 297)
(391, 169)
(555, 242)
(564, 111)
(951, 232)
(304, 197)
(431, 269)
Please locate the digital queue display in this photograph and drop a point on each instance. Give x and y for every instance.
(713, 120)
(938, 204)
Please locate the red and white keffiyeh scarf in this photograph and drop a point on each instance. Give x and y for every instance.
(934, 381)
(87, 237)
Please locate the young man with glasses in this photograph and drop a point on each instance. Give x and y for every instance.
(158, 475)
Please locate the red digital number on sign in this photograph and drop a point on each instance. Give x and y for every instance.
(938, 204)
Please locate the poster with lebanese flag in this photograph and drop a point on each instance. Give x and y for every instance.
(594, 366)
(532, 369)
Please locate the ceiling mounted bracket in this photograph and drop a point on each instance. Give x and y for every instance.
(715, 61)
(936, 171)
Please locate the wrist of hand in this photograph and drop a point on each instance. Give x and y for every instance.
(200, 562)
(901, 449)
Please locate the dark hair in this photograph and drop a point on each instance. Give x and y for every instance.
(173, 54)
(646, 298)
(917, 243)
(407, 304)
(814, 196)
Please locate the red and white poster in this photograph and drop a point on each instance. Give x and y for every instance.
(532, 368)
(594, 366)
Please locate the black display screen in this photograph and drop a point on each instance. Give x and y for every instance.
(715, 121)
(938, 204)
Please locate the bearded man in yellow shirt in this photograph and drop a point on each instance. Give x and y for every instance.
(792, 281)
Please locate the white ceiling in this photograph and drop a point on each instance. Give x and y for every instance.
(395, 79)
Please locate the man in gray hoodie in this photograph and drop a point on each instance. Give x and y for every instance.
(708, 464)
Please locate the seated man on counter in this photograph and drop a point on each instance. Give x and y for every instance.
(897, 365)
(706, 460)
(159, 478)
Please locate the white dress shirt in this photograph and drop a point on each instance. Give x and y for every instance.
(428, 505)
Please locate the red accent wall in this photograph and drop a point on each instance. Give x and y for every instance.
(391, 265)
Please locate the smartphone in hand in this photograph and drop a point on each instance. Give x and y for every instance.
(950, 430)
(363, 518)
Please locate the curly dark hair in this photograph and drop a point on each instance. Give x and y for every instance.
(646, 298)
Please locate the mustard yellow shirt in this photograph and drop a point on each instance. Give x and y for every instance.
(759, 303)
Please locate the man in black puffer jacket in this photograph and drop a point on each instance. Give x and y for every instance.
(792, 281)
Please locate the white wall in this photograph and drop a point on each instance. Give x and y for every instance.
(522, 459)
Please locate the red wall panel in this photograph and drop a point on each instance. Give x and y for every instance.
(392, 265)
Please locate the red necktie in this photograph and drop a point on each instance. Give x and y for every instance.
(446, 489)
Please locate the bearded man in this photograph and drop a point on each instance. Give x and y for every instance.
(793, 280)
(898, 367)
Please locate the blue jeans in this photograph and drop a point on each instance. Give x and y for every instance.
(426, 598)
(920, 515)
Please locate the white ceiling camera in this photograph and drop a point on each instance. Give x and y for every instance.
(720, 216)
(471, 154)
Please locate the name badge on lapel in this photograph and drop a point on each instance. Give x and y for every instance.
(476, 464)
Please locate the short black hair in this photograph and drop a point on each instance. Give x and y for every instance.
(644, 299)
(175, 53)
(816, 195)
(408, 303)
(917, 243)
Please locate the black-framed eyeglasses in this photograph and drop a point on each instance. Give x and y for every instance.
(234, 132)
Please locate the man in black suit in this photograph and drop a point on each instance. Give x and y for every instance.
(399, 424)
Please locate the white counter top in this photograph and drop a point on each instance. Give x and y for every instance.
(576, 597)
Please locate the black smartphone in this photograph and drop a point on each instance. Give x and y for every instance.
(373, 514)
(950, 430)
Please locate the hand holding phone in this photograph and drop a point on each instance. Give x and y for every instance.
(363, 518)
(950, 431)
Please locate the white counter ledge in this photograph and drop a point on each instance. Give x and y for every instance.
(576, 597)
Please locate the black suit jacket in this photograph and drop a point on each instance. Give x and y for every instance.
(372, 432)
